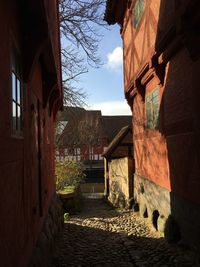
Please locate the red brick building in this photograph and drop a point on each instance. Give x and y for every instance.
(161, 41)
(31, 94)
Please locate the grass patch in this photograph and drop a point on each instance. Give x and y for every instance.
(66, 217)
(67, 189)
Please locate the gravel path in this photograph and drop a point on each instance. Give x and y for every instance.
(102, 236)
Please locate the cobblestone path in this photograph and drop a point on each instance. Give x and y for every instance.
(102, 236)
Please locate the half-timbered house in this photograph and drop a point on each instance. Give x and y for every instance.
(161, 82)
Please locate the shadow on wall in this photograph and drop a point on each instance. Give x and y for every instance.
(121, 182)
(179, 119)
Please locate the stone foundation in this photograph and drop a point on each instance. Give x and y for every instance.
(151, 198)
(153, 203)
(175, 217)
(52, 226)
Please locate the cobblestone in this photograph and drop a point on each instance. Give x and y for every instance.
(102, 236)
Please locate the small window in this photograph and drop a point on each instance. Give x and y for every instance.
(96, 157)
(17, 126)
(91, 153)
(137, 12)
(152, 109)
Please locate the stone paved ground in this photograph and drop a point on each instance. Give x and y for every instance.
(102, 236)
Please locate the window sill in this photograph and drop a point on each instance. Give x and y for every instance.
(17, 136)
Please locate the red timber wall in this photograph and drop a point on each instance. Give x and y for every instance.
(25, 194)
(164, 51)
(139, 47)
(85, 154)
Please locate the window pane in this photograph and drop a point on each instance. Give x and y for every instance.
(155, 93)
(138, 10)
(152, 109)
(14, 121)
(18, 91)
(14, 86)
(14, 109)
(18, 111)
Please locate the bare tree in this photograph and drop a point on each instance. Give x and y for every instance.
(79, 21)
(90, 134)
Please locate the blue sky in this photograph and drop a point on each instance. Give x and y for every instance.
(104, 86)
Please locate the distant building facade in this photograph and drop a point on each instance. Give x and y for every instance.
(31, 94)
(161, 82)
(85, 137)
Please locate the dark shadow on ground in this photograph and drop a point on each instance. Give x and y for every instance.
(85, 246)
(96, 245)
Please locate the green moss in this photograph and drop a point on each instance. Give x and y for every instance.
(66, 217)
(67, 189)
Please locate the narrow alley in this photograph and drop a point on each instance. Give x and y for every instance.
(103, 236)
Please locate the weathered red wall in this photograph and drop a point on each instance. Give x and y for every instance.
(181, 118)
(20, 217)
(84, 149)
(139, 46)
(168, 156)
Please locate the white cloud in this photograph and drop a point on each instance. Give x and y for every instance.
(113, 108)
(115, 59)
